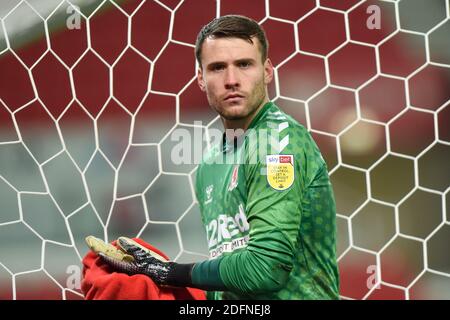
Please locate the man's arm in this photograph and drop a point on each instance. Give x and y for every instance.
(143, 261)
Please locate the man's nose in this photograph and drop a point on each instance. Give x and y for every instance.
(231, 78)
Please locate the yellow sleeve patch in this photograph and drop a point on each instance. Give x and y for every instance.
(280, 171)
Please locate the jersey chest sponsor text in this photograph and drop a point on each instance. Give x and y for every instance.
(227, 233)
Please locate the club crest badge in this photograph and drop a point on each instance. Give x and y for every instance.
(234, 178)
(280, 171)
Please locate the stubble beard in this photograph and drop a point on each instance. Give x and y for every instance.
(253, 102)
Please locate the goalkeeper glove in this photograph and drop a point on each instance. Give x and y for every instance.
(98, 246)
(147, 262)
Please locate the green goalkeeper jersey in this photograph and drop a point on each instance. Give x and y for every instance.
(268, 208)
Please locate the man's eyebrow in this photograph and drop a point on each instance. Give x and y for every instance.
(223, 63)
(216, 64)
(244, 60)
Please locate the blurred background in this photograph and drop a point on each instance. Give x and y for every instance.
(91, 90)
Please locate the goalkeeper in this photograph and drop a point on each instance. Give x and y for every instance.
(270, 214)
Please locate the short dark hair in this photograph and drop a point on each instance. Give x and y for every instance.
(232, 26)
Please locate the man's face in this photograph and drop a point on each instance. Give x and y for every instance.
(234, 77)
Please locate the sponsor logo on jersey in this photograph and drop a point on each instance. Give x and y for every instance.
(229, 246)
(227, 233)
(208, 191)
(280, 171)
(234, 178)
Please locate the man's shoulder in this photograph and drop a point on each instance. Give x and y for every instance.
(210, 153)
(276, 120)
(277, 128)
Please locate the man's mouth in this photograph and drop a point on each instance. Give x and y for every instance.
(233, 97)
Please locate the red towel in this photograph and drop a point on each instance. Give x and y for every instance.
(101, 283)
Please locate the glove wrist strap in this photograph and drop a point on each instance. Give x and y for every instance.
(180, 275)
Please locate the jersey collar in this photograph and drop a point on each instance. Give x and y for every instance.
(260, 114)
(228, 146)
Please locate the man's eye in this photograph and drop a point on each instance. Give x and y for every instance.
(244, 64)
(218, 68)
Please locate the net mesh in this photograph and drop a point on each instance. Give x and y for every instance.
(92, 92)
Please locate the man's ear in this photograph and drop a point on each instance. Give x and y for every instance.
(268, 71)
(201, 80)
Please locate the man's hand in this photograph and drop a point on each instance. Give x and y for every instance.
(149, 263)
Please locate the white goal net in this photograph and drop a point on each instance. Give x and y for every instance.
(92, 93)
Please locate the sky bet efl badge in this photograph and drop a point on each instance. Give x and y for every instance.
(280, 171)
